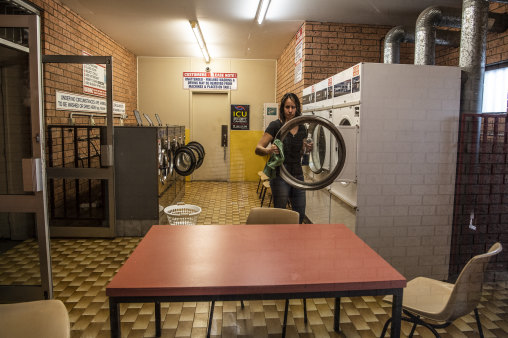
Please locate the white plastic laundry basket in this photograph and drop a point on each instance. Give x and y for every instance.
(182, 214)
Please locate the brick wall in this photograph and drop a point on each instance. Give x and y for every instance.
(66, 33)
(330, 48)
(497, 45)
(482, 184)
(286, 71)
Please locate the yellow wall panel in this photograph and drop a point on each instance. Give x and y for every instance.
(245, 164)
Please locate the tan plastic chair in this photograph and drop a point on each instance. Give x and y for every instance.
(272, 216)
(269, 216)
(444, 302)
(277, 216)
(38, 319)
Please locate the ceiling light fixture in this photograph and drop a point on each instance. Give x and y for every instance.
(262, 9)
(199, 37)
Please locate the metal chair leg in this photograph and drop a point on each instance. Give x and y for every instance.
(385, 327)
(413, 329)
(262, 190)
(286, 307)
(336, 315)
(477, 316)
(241, 303)
(210, 320)
(305, 310)
(157, 318)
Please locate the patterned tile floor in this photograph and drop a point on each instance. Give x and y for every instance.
(83, 267)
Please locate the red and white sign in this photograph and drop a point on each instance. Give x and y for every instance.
(94, 78)
(299, 55)
(210, 81)
(356, 70)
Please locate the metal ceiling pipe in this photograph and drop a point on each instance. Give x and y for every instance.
(400, 34)
(425, 40)
(393, 39)
(473, 43)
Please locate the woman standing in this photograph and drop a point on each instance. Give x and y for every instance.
(294, 146)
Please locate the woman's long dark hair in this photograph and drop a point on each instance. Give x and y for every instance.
(293, 98)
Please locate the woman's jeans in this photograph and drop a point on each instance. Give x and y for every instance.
(282, 192)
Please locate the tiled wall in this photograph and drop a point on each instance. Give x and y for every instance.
(406, 165)
(482, 193)
(481, 186)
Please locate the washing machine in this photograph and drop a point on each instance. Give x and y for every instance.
(318, 201)
(344, 187)
(162, 159)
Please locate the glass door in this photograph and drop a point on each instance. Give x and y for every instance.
(25, 262)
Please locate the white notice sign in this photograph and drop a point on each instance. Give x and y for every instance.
(211, 81)
(94, 79)
(299, 55)
(298, 72)
(84, 103)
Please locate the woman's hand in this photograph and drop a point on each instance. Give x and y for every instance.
(273, 149)
(307, 146)
(264, 147)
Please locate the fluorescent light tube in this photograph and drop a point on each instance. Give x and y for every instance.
(263, 8)
(201, 42)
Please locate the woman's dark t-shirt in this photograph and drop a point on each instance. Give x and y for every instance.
(292, 147)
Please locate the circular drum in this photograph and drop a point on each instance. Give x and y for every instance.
(184, 161)
(321, 127)
(199, 152)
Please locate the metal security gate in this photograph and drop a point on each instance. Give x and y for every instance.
(103, 172)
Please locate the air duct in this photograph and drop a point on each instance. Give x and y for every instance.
(473, 43)
(400, 34)
(393, 39)
(425, 39)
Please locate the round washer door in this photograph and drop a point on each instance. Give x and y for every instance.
(326, 177)
(184, 161)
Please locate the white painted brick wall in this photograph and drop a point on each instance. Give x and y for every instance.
(406, 164)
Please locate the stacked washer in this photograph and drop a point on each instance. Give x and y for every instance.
(318, 201)
(332, 102)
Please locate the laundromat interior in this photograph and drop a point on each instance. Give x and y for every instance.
(115, 116)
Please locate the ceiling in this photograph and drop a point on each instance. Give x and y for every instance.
(161, 27)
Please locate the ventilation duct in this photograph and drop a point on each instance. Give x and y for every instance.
(473, 43)
(393, 39)
(400, 34)
(425, 39)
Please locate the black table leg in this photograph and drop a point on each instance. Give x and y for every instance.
(157, 318)
(336, 315)
(114, 318)
(396, 313)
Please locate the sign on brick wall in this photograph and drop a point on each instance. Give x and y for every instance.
(299, 56)
(94, 78)
(84, 103)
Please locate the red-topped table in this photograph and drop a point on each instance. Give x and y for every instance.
(241, 262)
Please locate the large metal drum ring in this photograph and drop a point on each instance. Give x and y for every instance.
(286, 176)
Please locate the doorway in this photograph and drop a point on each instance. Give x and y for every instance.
(210, 113)
(23, 212)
